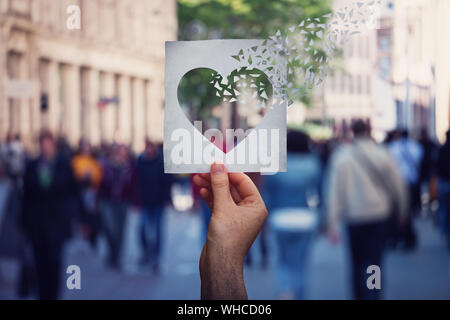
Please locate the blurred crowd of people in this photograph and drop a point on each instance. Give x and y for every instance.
(372, 191)
(48, 199)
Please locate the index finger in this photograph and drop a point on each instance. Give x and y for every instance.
(244, 185)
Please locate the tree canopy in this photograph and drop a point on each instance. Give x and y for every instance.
(246, 19)
(243, 19)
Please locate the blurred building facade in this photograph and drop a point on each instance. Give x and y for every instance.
(103, 81)
(421, 72)
(394, 75)
(348, 94)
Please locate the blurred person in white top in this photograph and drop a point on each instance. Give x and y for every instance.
(13, 157)
(366, 192)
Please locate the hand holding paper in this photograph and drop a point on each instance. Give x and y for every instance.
(238, 214)
(232, 128)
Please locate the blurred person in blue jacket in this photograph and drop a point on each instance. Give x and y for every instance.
(115, 195)
(408, 155)
(5, 202)
(153, 194)
(288, 197)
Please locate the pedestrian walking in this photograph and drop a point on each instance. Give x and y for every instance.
(154, 194)
(293, 222)
(49, 192)
(365, 191)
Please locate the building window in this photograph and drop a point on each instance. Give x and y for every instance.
(343, 82)
(84, 74)
(13, 70)
(359, 85)
(368, 47)
(117, 108)
(146, 108)
(61, 84)
(350, 48)
(361, 47)
(101, 83)
(351, 84)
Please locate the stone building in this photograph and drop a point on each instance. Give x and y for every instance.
(395, 75)
(348, 93)
(103, 81)
(421, 72)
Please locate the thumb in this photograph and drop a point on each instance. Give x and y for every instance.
(220, 184)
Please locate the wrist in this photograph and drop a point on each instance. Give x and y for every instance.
(218, 254)
(216, 258)
(222, 276)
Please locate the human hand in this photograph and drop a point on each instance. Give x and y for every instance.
(238, 214)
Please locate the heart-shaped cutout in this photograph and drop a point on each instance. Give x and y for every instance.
(237, 101)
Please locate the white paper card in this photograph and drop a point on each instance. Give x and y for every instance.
(186, 149)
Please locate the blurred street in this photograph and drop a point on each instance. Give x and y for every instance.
(91, 177)
(422, 274)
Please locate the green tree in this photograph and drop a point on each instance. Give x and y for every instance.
(244, 19)
(198, 88)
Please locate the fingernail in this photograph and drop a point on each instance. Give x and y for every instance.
(217, 168)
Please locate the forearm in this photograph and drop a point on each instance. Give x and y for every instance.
(221, 276)
(238, 214)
